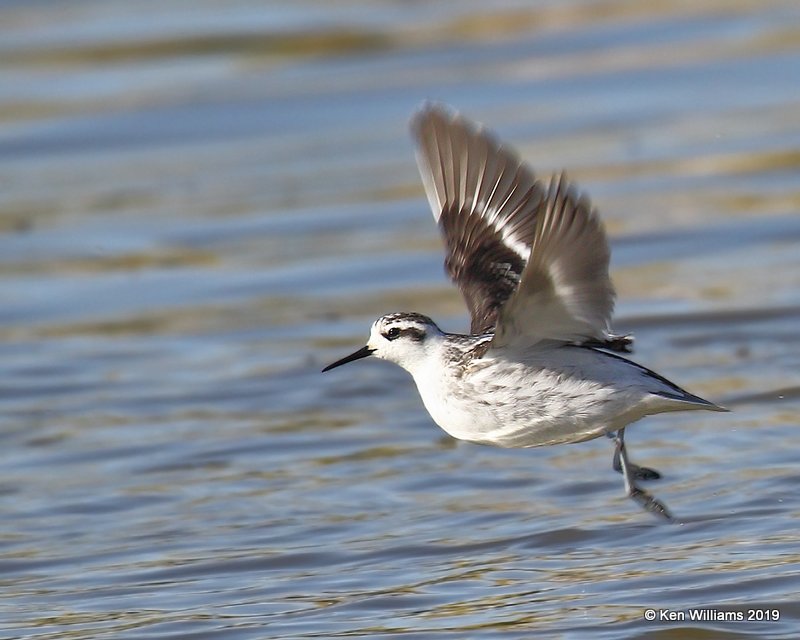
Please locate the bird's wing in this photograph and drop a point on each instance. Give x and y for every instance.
(565, 292)
(485, 201)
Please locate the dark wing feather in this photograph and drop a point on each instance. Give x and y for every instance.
(530, 261)
(485, 201)
(565, 292)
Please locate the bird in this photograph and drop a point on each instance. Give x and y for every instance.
(540, 365)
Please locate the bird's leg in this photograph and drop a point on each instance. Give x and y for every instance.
(640, 473)
(648, 502)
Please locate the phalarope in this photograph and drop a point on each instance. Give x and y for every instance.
(531, 262)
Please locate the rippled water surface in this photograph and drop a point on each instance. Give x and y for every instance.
(203, 203)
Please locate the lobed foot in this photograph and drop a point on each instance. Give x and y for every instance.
(629, 472)
(649, 503)
(639, 473)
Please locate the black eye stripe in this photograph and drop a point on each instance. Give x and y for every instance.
(417, 335)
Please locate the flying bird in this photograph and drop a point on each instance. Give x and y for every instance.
(540, 365)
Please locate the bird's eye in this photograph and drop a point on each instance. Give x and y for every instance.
(392, 333)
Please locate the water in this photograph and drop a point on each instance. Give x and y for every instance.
(200, 206)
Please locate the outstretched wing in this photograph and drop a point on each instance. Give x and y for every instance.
(531, 262)
(565, 292)
(485, 201)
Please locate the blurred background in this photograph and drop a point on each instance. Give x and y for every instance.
(202, 203)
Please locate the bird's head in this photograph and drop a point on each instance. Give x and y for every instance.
(407, 339)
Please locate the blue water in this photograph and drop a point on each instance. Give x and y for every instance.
(201, 206)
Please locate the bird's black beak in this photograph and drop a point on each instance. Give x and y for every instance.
(361, 353)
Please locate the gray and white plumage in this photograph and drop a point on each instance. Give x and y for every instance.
(502, 227)
(532, 264)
